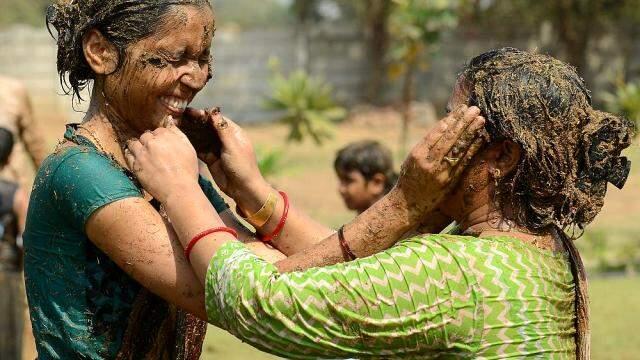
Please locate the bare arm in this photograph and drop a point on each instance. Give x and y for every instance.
(20, 205)
(245, 235)
(426, 178)
(29, 130)
(134, 235)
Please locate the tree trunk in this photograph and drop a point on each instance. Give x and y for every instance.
(302, 47)
(304, 12)
(408, 94)
(377, 18)
(576, 21)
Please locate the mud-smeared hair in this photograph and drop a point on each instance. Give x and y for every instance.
(570, 151)
(122, 22)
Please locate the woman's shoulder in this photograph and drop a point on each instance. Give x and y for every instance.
(467, 246)
(80, 163)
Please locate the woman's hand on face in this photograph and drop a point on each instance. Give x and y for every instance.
(435, 164)
(164, 162)
(236, 170)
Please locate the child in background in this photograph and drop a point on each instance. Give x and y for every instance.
(13, 211)
(365, 171)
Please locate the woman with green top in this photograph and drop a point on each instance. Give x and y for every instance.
(510, 286)
(106, 276)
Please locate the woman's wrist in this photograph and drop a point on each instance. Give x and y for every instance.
(397, 201)
(252, 197)
(177, 194)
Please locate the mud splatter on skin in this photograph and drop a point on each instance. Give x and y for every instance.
(121, 22)
(570, 151)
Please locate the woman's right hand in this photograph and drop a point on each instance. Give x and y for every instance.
(236, 171)
(435, 164)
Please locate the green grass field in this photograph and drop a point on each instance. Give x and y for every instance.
(306, 173)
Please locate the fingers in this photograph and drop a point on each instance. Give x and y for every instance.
(147, 137)
(462, 130)
(440, 129)
(168, 122)
(196, 113)
(466, 158)
(134, 150)
(467, 137)
(129, 158)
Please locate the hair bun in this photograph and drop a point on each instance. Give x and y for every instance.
(605, 137)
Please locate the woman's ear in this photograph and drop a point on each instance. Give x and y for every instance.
(100, 53)
(508, 156)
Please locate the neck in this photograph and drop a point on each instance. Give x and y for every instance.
(483, 217)
(486, 220)
(107, 128)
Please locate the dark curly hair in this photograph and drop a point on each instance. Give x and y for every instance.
(122, 22)
(368, 157)
(570, 151)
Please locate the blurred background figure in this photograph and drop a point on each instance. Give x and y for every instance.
(14, 324)
(365, 171)
(16, 116)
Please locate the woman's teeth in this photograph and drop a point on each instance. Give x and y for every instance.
(175, 103)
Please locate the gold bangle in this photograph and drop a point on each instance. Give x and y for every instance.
(264, 214)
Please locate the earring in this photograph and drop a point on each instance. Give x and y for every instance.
(496, 173)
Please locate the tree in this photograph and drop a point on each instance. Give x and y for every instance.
(577, 23)
(374, 18)
(415, 28)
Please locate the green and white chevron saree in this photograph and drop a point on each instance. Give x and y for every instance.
(433, 296)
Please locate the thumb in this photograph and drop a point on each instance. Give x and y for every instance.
(129, 157)
(168, 122)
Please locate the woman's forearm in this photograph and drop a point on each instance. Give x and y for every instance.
(375, 230)
(191, 213)
(299, 233)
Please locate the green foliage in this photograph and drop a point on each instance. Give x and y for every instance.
(415, 26)
(269, 161)
(306, 104)
(625, 100)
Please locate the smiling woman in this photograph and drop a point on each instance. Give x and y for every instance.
(105, 277)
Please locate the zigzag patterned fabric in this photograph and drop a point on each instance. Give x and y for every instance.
(429, 297)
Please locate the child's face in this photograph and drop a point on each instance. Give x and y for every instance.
(358, 193)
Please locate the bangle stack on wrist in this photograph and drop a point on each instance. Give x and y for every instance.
(268, 238)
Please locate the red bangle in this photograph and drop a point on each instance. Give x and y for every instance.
(194, 241)
(346, 250)
(269, 237)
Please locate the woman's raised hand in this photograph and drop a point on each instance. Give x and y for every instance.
(435, 164)
(236, 171)
(164, 161)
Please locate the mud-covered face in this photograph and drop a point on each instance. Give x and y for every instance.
(162, 73)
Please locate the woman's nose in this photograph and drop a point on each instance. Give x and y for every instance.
(195, 76)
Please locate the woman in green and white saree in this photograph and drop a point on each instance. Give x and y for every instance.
(509, 284)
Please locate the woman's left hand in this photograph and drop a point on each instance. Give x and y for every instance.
(164, 161)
